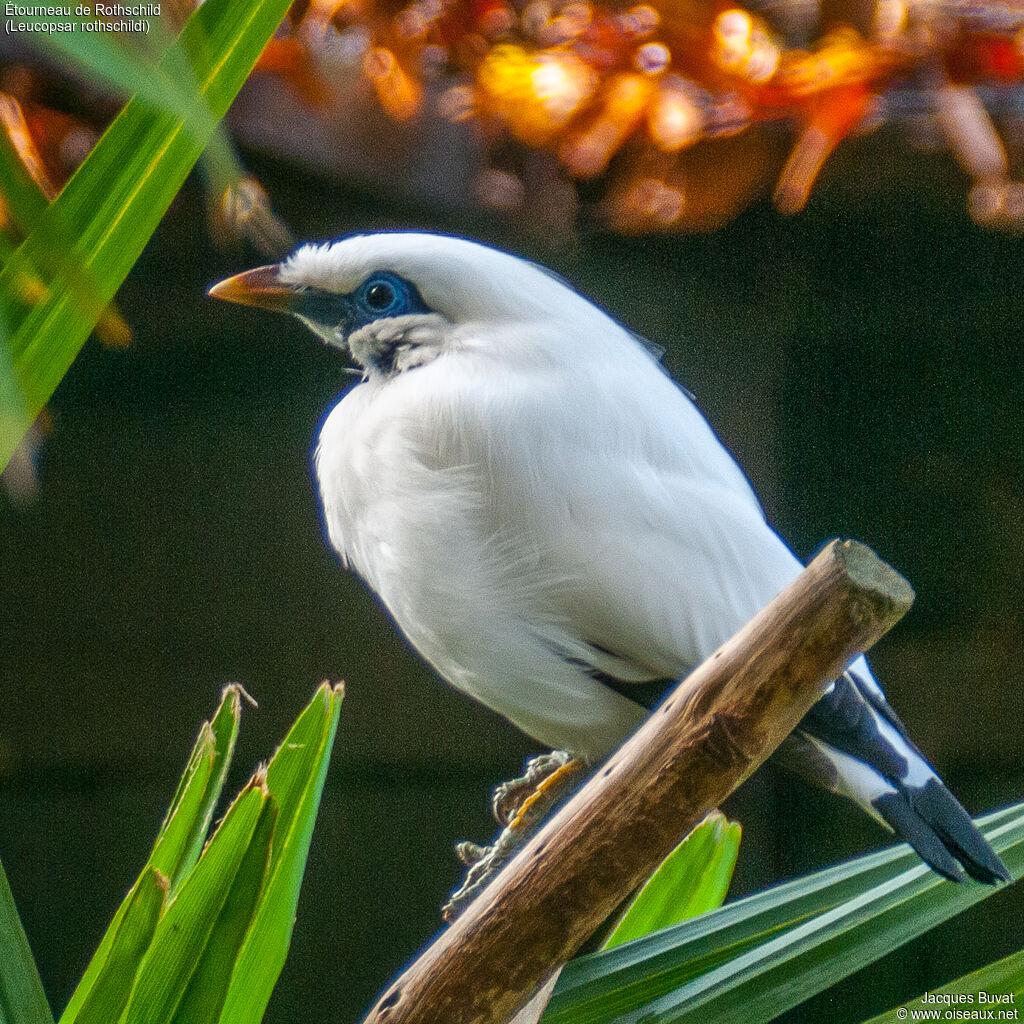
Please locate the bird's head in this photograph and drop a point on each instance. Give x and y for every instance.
(396, 300)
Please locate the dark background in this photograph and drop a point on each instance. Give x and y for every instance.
(864, 362)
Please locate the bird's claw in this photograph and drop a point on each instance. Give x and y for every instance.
(520, 807)
(510, 797)
(471, 853)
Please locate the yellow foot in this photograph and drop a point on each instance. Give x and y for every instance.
(510, 796)
(548, 793)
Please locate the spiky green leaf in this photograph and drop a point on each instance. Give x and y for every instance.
(693, 879)
(295, 776)
(184, 828)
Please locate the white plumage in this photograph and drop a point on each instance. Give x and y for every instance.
(549, 518)
(524, 497)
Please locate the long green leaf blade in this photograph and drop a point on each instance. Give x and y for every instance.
(22, 999)
(295, 776)
(1004, 977)
(787, 969)
(127, 68)
(693, 879)
(108, 996)
(607, 985)
(111, 206)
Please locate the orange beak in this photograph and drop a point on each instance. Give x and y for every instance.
(260, 287)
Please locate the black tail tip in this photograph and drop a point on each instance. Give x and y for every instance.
(942, 811)
(932, 821)
(983, 865)
(990, 871)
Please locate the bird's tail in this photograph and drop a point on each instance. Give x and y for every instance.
(941, 831)
(852, 743)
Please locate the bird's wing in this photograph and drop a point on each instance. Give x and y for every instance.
(403, 485)
(655, 545)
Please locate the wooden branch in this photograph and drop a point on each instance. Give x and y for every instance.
(717, 726)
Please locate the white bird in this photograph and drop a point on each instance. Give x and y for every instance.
(549, 518)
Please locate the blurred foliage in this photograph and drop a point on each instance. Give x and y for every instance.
(682, 112)
(680, 115)
(56, 284)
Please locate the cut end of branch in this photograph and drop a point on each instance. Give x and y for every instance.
(874, 578)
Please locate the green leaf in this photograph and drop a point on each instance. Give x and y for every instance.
(184, 829)
(208, 987)
(693, 879)
(108, 995)
(295, 776)
(1004, 977)
(189, 962)
(57, 283)
(760, 956)
(124, 66)
(22, 999)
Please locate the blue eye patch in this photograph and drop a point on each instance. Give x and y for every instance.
(383, 294)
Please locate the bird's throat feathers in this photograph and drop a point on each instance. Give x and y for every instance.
(396, 344)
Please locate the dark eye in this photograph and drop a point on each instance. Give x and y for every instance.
(383, 294)
(380, 296)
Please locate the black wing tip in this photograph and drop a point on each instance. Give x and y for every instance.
(932, 821)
